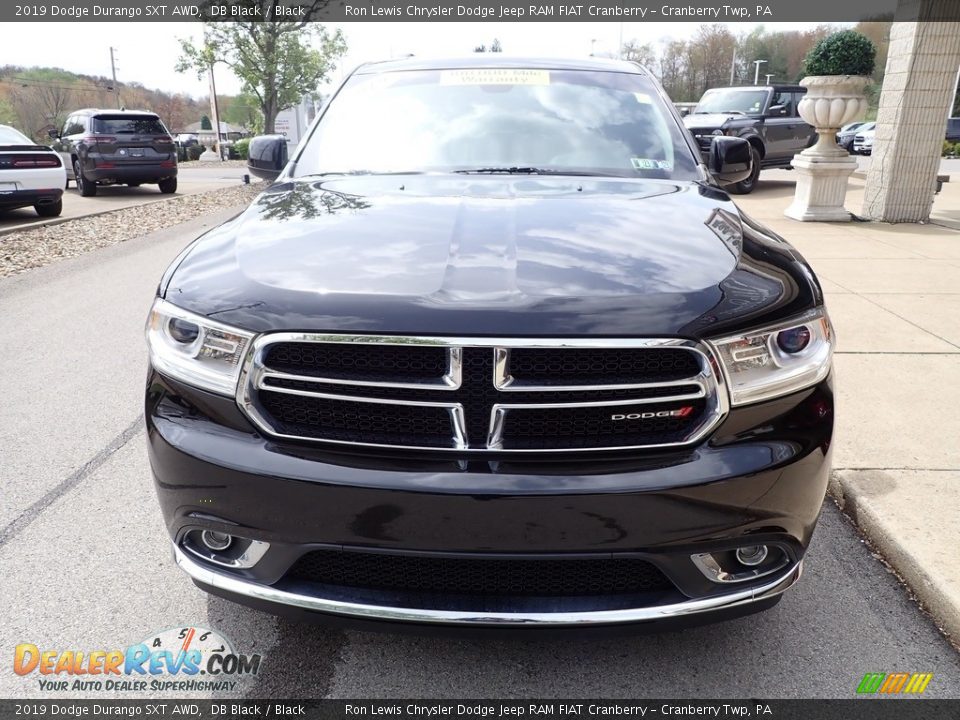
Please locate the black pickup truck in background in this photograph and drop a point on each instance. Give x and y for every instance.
(765, 116)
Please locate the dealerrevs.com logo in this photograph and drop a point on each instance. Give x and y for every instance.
(183, 659)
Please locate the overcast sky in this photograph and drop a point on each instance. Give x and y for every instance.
(146, 52)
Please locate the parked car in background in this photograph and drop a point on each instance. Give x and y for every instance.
(863, 140)
(953, 130)
(515, 359)
(847, 134)
(31, 175)
(187, 140)
(117, 147)
(764, 116)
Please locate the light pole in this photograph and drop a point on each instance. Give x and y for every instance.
(769, 75)
(756, 74)
(113, 72)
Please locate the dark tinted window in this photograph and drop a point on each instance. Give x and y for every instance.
(128, 125)
(74, 126)
(782, 104)
(446, 120)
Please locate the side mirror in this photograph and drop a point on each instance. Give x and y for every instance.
(53, 134)
(731, 159)
(267, 156)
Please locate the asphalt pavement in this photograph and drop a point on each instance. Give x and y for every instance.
(85, 561)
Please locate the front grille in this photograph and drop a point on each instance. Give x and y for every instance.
(587, 366)
(313, 417)
(492, 577)
(581, 427)
(467, 395)
(358, 362)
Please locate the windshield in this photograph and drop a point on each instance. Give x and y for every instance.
(498, 120)
(9, 136)
(128, 125)
(748, 102)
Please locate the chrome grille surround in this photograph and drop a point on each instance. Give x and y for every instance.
(710, 381)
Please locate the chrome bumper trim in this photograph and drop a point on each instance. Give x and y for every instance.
(230, 584)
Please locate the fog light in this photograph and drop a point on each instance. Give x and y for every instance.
(216, 541)
(752, 555)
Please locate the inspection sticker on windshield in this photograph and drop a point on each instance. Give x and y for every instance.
(495, 76)
(648, 164)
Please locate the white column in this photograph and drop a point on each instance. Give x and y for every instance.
(918, 91)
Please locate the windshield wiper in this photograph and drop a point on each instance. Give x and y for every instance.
(515, 170)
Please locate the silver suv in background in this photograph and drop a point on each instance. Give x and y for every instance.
(117, 147)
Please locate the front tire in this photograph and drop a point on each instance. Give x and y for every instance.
(745, 187)
(50, 210)
(87, 188)
(168, 186)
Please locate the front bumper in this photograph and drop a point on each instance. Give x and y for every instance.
(243, 590)
(760, 479)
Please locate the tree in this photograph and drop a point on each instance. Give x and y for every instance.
(275, 60)
(205, 123)
(495, 46)
(639, 53)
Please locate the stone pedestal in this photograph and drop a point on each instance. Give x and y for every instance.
(821, 187)
(209, 155)
(831, 102)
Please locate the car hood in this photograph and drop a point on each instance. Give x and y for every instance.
(711, 121)
(490, 255)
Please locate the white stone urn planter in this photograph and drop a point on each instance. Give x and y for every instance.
(831, 101)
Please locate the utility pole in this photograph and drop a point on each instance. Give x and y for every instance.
(733, 66)
(756, 75)
(113, 71)
(215, 109)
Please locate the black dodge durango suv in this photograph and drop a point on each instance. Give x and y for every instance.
(109, 147)
(495, 349)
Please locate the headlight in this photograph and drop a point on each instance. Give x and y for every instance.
(196, 350)
(776, 360)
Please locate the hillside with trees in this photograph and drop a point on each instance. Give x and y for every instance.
(36, 99)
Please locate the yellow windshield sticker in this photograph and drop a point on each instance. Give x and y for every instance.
(643, 98)
(495, 76)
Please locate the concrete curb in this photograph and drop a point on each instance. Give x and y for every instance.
(859, 500)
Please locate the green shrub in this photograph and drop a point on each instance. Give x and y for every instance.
(843, 53)
(195, 151)
(242, 148)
